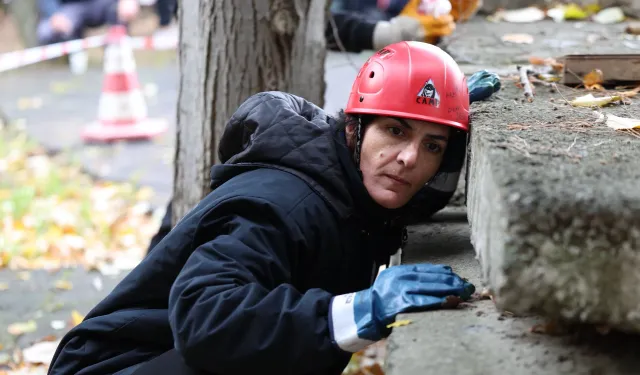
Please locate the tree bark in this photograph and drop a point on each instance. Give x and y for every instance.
(25, 17)
(230, 50)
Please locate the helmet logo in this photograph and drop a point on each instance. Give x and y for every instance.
(428, 95)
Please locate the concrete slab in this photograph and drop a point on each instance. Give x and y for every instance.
(479, 339)
(554, 207)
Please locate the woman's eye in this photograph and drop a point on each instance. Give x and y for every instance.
(395, 130)
(433, 147)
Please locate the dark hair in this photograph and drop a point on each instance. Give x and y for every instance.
(343, 120)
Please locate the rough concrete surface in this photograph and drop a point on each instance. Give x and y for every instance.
(555, 209)
(478, 339)
(479, 43)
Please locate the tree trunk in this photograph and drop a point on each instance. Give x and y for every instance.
(25, 17)
(230, 50)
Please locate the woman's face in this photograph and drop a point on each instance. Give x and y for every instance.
(398, 157)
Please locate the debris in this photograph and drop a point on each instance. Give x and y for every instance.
(556, 14)
(593, 80)
(524, 82)
(40, 353)
(399, 323)
(486, 292)
(633, 28)
(97, 283)
(591, 101)
(524, 15)
(517, 38)
(548, 62)
(609, 16)
(630, 93)
(622, 123)
(63, 285)
(58, 324)
(615, 68)
(574, 12)
(4, 286)
(17, 329)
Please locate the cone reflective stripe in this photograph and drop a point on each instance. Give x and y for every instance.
(122, 111)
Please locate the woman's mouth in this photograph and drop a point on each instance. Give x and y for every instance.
(397, 179)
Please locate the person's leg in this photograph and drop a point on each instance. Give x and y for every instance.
(166, 10)
(168, 363)
(75, 13)
(103, 12)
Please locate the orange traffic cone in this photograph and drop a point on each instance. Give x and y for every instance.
(122, 111)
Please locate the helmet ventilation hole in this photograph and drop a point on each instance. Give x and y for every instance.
(361, 99)
(371, 74)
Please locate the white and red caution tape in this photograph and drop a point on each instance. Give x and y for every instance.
(17, 59)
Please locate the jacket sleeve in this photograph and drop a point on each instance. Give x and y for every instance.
(233, 309)
(349, 31)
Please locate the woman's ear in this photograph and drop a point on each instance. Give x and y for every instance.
(350, 131)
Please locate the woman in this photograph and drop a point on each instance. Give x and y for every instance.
(274, 272)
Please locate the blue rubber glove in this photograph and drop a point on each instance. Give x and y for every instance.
(482, 84)
(360, 319)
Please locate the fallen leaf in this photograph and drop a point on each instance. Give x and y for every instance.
(20, 328)
(630, 93)
(574, 12)
(486, 293)
(24, 276)
(517, 38)
(593, 80)
(622, 123)
(523, 15)
(58, 324)
(553, 63)
(40, 353)
(399, 323)
(63, 285)
(591, 101)
(4, 286)
(76, 318)
(609, 16)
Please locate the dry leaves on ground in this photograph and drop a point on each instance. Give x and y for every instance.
(52, 215)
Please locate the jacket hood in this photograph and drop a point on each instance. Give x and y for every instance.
(283, 131)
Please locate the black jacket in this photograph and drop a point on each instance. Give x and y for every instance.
(242, 284)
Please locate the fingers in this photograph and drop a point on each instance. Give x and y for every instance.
(432, 268)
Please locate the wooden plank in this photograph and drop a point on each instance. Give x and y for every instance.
(617, 68)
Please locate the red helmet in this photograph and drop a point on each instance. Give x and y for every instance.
(412, 80)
